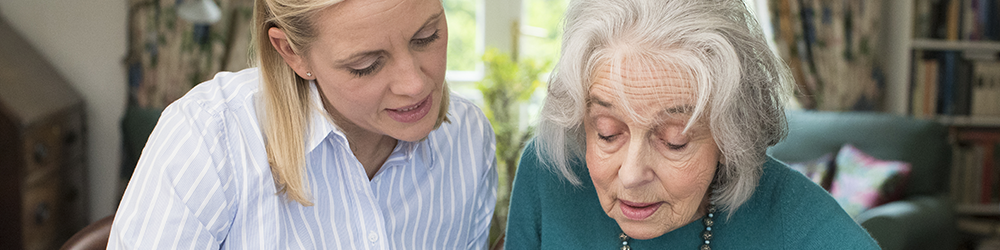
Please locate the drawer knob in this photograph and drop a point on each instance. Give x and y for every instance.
(42, 212)
(41, 152)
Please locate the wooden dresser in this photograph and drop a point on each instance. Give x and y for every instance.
(43, 186)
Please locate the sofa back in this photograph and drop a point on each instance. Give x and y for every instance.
(922, 143)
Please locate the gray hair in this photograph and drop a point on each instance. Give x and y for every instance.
(741, 86)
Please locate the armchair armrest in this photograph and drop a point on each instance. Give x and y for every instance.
(919, 222)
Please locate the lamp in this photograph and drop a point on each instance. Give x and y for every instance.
(199, 11)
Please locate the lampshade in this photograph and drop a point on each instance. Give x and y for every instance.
(199, 11)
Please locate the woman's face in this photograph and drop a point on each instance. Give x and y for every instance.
(380, 64)
(650, 176)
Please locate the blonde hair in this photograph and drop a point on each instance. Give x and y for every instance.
(286, 95)
(741, 86)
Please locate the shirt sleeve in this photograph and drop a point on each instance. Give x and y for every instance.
(487, 188)
(177, 198)
(523, 216)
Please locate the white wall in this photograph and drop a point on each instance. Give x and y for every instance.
(85, 41)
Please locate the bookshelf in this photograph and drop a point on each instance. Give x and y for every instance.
(978, 209)
(902, 43)
(972, 46)
(923, 38)
(968, 121)
(951, 46)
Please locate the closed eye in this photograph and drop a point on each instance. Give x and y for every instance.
(607, 138)
(375, 66)
(423, 42)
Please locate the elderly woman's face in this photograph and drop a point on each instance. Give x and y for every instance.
(381, 64)
(650, 176)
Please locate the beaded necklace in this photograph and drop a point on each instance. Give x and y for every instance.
(705, 235)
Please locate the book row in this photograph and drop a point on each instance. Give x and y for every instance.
(975, 169)
(954, 83)
(957, 19)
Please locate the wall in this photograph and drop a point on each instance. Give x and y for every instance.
(85, 41)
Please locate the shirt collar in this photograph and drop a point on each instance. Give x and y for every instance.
(322, 128)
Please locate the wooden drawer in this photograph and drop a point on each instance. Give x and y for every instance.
(40, 219)
(43, 151)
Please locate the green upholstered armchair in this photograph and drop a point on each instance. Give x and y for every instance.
(924, 217)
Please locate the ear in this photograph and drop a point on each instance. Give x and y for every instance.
(296, 61)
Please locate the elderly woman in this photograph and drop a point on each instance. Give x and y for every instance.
(667, 108)
(344, 137)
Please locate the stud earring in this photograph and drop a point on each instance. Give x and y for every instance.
(309, 74)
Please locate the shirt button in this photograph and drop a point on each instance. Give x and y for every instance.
(372, 236)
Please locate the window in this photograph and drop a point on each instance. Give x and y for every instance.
(541, 30)
(464, 44)
(462, 54)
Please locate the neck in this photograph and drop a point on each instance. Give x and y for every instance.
(370, 148)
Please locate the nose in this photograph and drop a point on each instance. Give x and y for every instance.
(636, 169)
(408, 79)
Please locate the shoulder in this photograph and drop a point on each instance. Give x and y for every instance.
(785, 192)
(810, 217)
(217, 107)
(463, 113)
(225, 91)
(217, 116)
(535, 173)
(533, 166)
(466, 126)
(465, 139)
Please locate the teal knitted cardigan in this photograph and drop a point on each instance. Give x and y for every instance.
(786, 211)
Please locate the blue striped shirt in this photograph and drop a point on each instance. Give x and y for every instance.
(203, 182)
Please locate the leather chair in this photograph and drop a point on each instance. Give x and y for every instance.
(94, 236)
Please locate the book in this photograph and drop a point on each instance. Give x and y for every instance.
(956, 177)
(993, 20)
(971, 173)
(962, 94)
(967, 19)
(978, 226)
(975, 176)
(988, 176)
(946, 82)
(923, 18)
(985, 99)
(930, 88)
(953, 20)
(918, 82)
(938, 18)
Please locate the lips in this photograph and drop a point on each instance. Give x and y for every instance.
(411, 113)
(638, 210)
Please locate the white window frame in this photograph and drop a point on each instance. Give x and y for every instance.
(493, 29)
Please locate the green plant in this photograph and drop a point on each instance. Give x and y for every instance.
(507, 85)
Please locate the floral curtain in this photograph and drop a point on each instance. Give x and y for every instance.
(831, 48)
(169, 55)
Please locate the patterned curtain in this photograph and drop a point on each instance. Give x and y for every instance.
(169, 55)
(831, 47)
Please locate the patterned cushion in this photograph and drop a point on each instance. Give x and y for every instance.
(863, 182)
(820, 170)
